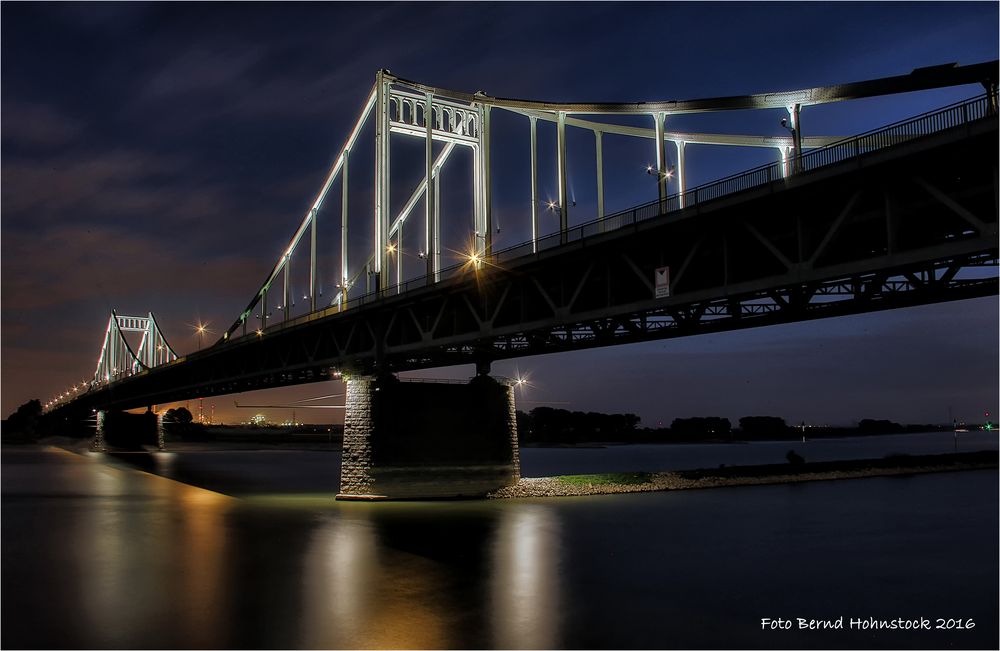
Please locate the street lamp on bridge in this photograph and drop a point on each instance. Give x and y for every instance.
(669, 173)
(553, 206)
(200, 329)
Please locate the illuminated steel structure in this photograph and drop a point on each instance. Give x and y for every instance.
(117, 359)
(853, 225)
(399, 106)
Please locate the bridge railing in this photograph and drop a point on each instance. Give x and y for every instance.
(954, 115)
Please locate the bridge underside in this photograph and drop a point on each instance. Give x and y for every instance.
(910, 225)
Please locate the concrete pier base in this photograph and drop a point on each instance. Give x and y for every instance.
(411, 440)
(120, 430)
(97, 443)
(161, 432)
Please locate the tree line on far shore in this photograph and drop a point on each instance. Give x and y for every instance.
(544, 425)
(561, 426)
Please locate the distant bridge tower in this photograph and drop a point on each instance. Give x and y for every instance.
(118, 360)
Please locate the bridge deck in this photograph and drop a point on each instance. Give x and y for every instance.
(862, 228)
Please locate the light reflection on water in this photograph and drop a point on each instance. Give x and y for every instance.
(198, 557)
(156, 562)
(99, 555)
(413, 576)
(525, 579)
(338, 590)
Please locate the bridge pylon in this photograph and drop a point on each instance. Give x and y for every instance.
(118, 359)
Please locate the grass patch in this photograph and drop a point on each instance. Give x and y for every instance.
(606, 478)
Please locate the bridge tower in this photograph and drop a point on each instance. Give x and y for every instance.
(118, 360)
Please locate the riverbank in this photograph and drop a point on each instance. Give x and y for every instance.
(637, 482)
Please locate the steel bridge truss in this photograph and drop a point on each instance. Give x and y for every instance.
(852, 226)
(870, 232)
(457, 119)
(117, 359)
(794, 252)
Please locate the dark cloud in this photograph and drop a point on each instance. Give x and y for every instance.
(116, 184)
(215, 83)
(91, 262)
(37, 126)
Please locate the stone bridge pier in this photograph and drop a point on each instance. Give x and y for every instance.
(424, 439)
(119, 429)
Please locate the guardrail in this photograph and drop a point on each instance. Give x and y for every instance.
(953, 115)
(435, 380)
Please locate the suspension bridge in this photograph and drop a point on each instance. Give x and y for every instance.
(833, 226)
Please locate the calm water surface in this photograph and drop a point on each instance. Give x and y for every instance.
(249, 551)
(542, 462)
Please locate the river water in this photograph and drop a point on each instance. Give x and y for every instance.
(247, 549)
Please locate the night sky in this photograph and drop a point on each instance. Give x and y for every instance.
(159, 157)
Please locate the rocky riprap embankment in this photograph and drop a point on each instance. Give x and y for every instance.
(743, 475)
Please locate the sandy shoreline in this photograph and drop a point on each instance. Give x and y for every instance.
(603, 484)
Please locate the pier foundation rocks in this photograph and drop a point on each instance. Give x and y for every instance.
(424, 439)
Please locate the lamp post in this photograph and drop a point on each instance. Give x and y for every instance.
(793, 128)
(662, 177)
